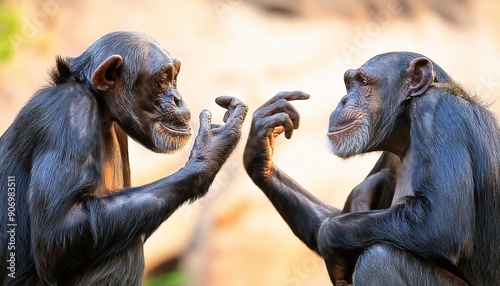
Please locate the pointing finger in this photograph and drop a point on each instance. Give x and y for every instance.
(288, 95)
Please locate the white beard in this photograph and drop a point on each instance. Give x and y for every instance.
(352, 141)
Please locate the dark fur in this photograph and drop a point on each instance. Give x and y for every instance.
(442, 226)
(68, 153)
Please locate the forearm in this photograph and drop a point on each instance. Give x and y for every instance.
(156, 201)
(407, 225)
(301, 210)
(352, 231)
(121, 218)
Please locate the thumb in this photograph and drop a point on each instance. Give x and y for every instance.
(205, 120)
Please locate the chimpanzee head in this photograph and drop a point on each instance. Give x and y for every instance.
(135, 79)
(372, 115)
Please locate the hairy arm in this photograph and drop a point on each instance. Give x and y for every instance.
(66, 219)
(437, 221)
(301, 210)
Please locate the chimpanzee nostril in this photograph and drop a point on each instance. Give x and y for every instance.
(177, 99)
(343, 100)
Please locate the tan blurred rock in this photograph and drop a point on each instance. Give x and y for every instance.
(234, 236)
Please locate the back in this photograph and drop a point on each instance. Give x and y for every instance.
(461, 122)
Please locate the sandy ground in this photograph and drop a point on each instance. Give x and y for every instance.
(234, 236)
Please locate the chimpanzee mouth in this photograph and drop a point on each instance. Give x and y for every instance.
(335, 130)
(177, 130)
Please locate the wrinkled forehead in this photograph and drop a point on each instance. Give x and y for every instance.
(158, 58)
(384, 61)
(385, 64)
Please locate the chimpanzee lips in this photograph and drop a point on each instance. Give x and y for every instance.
(334, 130)
(177, 130)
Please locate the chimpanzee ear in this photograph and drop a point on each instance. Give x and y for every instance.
(107, 73)
(421, 76)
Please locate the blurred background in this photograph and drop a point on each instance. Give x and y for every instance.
(252, 49)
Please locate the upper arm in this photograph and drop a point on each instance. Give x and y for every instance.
(59, 220)
(447, 181)
(442, 175)
(65, 164)
(57, 184)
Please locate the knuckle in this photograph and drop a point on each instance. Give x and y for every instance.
(281, 94)
(282, 116)
(243, 111)
(236, 101)
(282, 103)
(257, 115)
(260, 124)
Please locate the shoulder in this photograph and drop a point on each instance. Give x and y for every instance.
(61, 102)
(447, 112)
(63, 94)
(61, 114)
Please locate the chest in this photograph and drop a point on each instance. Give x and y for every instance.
(115, 169)
(125, 268)
(403, 182)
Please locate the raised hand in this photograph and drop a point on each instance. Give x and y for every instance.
(273, 118)
(214, 142)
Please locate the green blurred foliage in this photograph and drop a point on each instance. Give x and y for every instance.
(176, 278)
(10, 21)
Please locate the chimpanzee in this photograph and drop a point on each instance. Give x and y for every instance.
(440, 166)
(69, 215)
